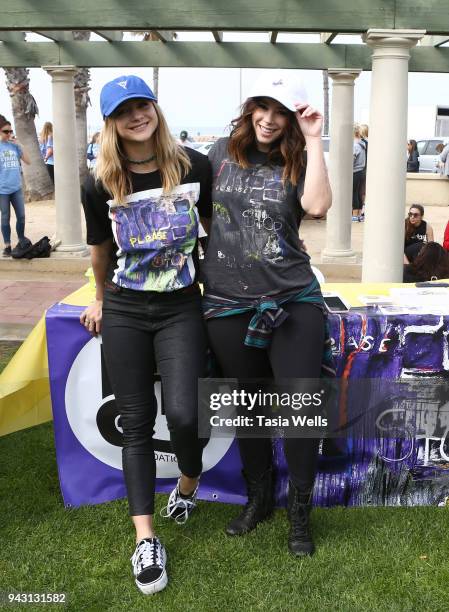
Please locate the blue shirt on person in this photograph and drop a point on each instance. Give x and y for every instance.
(49, 145)
(10, 168)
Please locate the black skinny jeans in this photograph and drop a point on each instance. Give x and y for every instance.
(143, 332)
(296, 351)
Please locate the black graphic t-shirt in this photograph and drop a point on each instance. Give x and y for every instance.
(419, 234)
(155, 233)
(254, 247)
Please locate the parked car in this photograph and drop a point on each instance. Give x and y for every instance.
(204, 147)
(428, 154)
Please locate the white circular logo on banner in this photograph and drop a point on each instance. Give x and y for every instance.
(95, 420)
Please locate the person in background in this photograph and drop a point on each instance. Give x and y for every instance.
(358, 170)
(46, 144)
(439, 166)
(184, 138)
(412, 156)
(446, 237)
(431, 263)
(364, 129)
(142, 206)
(11, 194)
(417, 231)
(262, 301)
(444, 159)
(92, 150)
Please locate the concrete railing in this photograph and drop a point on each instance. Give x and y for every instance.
(427, 189)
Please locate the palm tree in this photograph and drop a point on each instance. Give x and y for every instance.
(82, 101)
(38, 185)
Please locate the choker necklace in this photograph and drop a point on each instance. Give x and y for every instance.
(140, 161)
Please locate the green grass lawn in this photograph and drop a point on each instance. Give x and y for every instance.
(367, 559)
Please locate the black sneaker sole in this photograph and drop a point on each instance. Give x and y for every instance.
(153, 587)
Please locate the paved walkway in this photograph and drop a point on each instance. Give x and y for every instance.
(25, 294)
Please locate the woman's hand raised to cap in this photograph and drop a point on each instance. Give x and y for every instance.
(310, 120)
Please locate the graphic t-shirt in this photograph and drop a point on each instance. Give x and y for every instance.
(254, 247)
(419, 234)
(155, 233)
(10, 169)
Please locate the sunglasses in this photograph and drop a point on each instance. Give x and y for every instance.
(8, 131)
(410, 214)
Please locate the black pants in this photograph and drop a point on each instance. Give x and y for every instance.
(51, 172)
(144, 332)
(296, 351)
(357, 178)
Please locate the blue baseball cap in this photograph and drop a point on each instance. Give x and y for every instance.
(121, 89)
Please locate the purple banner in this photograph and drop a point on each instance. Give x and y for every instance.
(351, 472)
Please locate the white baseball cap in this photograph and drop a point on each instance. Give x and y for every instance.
(286, 89)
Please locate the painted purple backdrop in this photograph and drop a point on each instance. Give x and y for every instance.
(351, 471)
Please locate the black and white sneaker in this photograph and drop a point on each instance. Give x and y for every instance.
(179, 506)
(148, 563)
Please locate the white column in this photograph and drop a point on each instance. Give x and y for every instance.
(383, 240)
(67, 184)
(338, 224)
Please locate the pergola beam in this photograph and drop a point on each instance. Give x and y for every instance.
(273, 37)
(110, 35)
(218, 36)
(308, 56)
(251, 15)
(328, 37)
(162, 36)
(55, 35)
(12, 36)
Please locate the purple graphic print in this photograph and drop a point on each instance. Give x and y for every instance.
(156, 234)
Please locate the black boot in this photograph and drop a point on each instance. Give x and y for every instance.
(300, 541)
(258, 508)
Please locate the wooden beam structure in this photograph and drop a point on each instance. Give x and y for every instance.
(248, 15)
(110, 35)
(307, 56)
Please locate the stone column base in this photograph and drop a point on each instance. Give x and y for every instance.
(71, 250)
(339, 257)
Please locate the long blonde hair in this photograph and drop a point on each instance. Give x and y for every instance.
(111, 168)
(46, 131)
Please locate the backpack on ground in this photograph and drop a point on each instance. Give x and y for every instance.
(41, 248)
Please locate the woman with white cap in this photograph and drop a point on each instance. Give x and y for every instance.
(263, 305)
(142, 209)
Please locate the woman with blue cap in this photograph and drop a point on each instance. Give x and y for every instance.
(263, 305)
(142, 208)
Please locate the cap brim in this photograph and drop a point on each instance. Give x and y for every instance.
(287, 103)
(115, 105)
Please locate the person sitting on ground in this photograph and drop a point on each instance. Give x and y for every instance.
(417, 231)
(431, 263)
(446, 238)
(412, 156)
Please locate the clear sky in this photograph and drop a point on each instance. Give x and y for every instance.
(200, 98)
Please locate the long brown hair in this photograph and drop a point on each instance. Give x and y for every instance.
(287, 151)
(409, 228)
(111, 168)
(432, 260)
